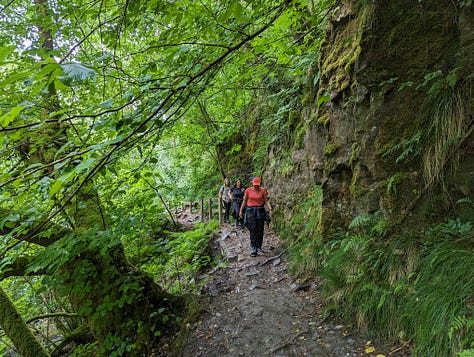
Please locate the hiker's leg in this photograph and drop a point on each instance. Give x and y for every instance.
(226, 212)
(253, 237)
(260, 224)
(235, 212)
(253, 241)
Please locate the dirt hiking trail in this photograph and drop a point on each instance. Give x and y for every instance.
(253, 308)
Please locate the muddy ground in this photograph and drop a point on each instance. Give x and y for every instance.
(253, 307)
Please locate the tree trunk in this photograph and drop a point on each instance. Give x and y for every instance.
(119, 302)
(17, 330)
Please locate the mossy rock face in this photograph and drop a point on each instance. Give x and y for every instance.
(373, 58)
(397, 42)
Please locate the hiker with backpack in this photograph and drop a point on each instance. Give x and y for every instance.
(225, 198)
(255, 200)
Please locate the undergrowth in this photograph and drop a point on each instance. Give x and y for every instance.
(301, 235)
(412, 288)
(415, 288)
(179, 256)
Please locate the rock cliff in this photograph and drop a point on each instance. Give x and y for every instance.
(389, 127)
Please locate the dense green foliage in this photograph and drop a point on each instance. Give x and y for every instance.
(112, 113)
(415, 289)
(177, 260)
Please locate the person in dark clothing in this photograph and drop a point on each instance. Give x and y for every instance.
(225, 197)
(237, 194)
(255, 200)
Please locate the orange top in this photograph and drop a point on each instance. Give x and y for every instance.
(254, 197)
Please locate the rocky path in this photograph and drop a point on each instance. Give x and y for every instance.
(255, 308)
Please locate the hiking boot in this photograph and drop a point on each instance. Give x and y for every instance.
(253, 252)
(260, 250)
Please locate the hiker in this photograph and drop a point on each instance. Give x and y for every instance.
(255, 200)
(225, 198)
(237, 194)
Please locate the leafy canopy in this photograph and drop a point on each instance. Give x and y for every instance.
(122, 74)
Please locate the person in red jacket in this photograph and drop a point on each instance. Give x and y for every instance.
(255, 200)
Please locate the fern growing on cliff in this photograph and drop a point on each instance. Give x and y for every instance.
(418, 286)
(444, 114)
(302, 236)
(408, 148)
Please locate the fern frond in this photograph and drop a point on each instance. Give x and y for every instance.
(456, 325)
(361, 221)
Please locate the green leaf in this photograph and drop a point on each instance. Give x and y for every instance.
(6, 119)
(59, 85)
(429, 77)
(84, 165)
(107, 104)
(9, 219)
(57, 185)
(13, 78)
(77, 71)
(323, 99)
(404, 85)
(237, 10)
(5, 51)
(47, 69)
(452, 78)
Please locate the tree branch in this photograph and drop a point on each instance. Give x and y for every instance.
(162, 200)
(51, 315)
(6, 6)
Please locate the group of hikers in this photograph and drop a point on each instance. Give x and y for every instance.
(248, 209)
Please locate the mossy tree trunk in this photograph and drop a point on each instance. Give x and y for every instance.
(119, 302)
(17, 330)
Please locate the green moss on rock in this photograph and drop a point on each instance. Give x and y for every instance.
(330, 149)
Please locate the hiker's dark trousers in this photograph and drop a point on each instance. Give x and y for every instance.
(255, 222)
(226, 210)
(256, 235)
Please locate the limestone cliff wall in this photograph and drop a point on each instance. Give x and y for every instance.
(396, 116)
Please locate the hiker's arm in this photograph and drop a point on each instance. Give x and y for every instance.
(269, 206)
(242, 207)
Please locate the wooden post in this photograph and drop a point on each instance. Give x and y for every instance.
(202, 209)
(210, 209)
